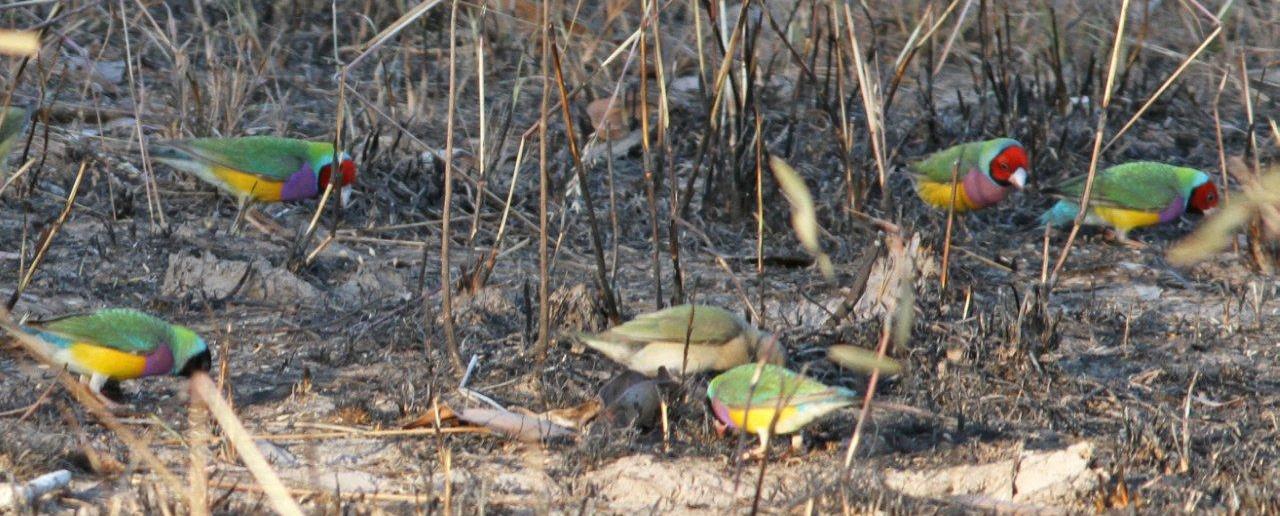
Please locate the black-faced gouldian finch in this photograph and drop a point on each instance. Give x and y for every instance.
(987, 172)
(120, 344)
(262, 168)
(1134, 195)
(749, 396)
(718, 340)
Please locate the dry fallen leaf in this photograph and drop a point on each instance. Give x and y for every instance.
(428, 419)
(804, 217)
(571, 417)
(863, 360)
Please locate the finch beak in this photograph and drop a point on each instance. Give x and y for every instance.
(346, 196)
(1019, 178)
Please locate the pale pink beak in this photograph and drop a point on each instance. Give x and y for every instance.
(1019, 178)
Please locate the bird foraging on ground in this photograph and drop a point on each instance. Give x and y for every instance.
(1133, 195)
(262, 168)
(717, 340)
(751, 396)
(986, 172)
(119, 344)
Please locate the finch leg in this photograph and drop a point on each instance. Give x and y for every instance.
(240, 213)
(96, 381)
(759, 453)
(1122, 238)
(269, 227)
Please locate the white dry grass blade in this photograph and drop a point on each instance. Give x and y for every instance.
(869, 88)
(23, 43)
(804, 217)
(383, 37)
(946, 49)
(21, 494)
(1164, 86)
(202, 387)
(517, 426)
(863, 360)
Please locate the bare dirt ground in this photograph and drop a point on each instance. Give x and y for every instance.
(1132, 384)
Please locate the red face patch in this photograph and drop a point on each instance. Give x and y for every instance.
(348, 170)
(1204, 197)
(1007, 163)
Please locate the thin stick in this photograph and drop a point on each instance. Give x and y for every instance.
(1165, 86)
(1097, 144)
(544, 180)
(946, 49)
(866, 399)
(650, 178)
(386, 34)
(1184, 464)
(315, 221)
(198, 442)
(951, 215)
(724, 265)
(152, 190)
(870, 101)
(48, 239)
(602, 276)
(1264, 262)
(25, 166)
(202, 387)
(416, 499)
(30, 409)
(1222, 152)
(446, 274)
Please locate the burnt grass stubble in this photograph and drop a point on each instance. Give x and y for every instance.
(1112, 355)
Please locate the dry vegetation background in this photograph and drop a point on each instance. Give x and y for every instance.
(620, 136)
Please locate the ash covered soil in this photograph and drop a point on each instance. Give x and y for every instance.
(1132, 384)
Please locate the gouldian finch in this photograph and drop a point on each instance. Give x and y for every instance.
(12, 123)
(1134, 195)
(717, 340)
(261, 168)
(751, 395)
(987, 171)
(120, 344)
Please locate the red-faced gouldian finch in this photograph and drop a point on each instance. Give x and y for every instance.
(1134, 195)
(749, 396)
(718, 340)
(987, 171)
(120, 344)
(262, 168)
